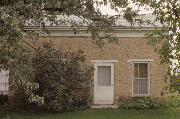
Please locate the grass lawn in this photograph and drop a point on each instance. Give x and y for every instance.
(173, 113)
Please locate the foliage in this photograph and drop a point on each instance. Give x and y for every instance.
(16, 16)
(64, 79)
(173, 100)
(3, 99)
(140, 103)
(50, 78)
(166, 37)
(22, 87)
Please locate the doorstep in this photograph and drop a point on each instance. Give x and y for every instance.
(104, 106)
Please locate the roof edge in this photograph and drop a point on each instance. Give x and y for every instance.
(85, 28)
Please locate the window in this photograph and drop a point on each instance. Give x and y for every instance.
(4, 87)
(140, 79)
(104, 75)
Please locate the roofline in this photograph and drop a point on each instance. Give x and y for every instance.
(84, 28)
(119, 31)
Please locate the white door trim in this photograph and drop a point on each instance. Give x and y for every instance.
(111, 64)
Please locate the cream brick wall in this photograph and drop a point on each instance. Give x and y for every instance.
(127, 48)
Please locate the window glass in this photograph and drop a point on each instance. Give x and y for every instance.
(136, 66)
(140, 83)
(104, 75)
(140, 86)
(140, 70)
(143, 70)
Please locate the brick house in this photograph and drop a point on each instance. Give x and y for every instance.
(130, 68)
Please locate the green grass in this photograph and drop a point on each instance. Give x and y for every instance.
(170, 113)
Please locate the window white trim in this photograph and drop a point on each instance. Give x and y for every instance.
(141, 95)
(140, 60)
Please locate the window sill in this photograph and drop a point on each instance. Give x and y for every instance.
(141, 95)
(3, 92)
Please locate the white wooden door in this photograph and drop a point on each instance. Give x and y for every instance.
(104, 83)
(4, 87)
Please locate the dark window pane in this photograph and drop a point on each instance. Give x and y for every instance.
(140, 70)
(143, 70)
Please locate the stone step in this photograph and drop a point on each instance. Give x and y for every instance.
(104, 106)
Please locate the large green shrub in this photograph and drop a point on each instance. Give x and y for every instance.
(64, 79)
(59, 81)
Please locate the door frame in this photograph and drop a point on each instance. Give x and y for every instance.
(110, 63)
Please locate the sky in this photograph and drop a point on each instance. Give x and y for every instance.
(109, 11)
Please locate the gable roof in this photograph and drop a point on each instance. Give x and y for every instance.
(122, 27)
(119, 22)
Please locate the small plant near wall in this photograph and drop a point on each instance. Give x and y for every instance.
(140, 103)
